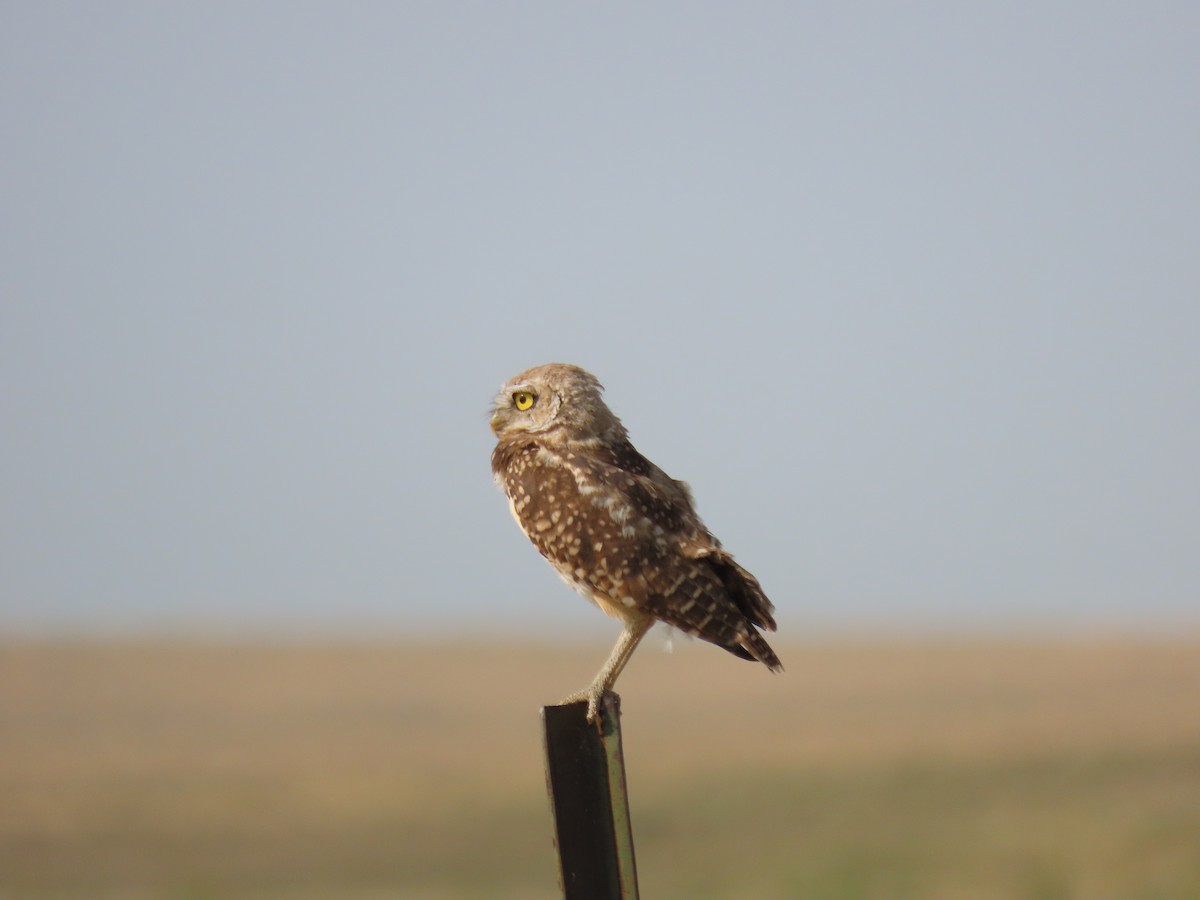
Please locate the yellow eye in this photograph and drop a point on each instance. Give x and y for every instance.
(522, 400)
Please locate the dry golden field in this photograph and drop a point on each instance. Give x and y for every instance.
(936, 769)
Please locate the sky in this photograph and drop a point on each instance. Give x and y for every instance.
(908, 293)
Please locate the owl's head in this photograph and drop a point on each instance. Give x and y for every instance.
(556, 401)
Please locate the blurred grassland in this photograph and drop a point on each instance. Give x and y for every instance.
(907, 769)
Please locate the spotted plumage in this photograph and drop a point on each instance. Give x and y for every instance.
(615, 526)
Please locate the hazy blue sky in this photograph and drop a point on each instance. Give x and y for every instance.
(909, 293)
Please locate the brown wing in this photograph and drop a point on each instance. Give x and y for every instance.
(548, 505)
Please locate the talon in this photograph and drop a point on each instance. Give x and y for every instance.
(594, 697)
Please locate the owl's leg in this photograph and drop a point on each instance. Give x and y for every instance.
(632, 632)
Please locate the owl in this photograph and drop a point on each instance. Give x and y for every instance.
(616, 527)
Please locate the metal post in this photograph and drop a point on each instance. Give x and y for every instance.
(585, 776)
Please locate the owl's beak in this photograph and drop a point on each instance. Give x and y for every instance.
(498, 419)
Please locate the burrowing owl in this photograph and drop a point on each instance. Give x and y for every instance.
(616, 527)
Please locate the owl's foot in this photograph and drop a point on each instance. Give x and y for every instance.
(633, 631)
(594, 695)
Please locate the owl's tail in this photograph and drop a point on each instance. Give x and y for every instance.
(752, 646)
(747, 594)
